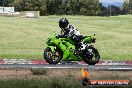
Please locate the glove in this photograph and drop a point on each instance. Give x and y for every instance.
(60, 36)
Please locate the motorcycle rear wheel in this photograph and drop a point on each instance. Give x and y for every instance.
(52, 57)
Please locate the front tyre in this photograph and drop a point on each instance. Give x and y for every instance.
(94, 58)
(52, 57)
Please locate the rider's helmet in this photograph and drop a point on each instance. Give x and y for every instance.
(63, 23)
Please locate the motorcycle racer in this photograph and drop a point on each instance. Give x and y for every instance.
(70, 46)
(70, 30)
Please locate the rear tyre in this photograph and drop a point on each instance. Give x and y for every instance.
(95, 57)
(52, 57)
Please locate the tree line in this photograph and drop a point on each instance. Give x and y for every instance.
(67, 7)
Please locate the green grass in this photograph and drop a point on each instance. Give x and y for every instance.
(48, 83)
(41, 83)
(26, 37)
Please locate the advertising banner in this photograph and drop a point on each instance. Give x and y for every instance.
(6, 9)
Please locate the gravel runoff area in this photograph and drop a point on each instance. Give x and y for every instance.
(75, 73)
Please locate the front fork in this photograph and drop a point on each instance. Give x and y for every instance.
(89, 51)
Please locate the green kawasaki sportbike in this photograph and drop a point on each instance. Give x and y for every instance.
(64, 49)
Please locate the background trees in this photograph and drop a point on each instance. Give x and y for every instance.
(127, 8)
(68, 7)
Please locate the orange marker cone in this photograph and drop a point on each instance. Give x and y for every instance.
(85, 77)
(85, 73)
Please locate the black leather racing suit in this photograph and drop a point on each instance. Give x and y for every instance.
(71, 31)
(74, 33)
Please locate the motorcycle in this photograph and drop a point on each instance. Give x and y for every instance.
(64, 49)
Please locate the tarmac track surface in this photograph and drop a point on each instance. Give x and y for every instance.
(76, 66)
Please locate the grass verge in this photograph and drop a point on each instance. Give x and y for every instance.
(26, 37)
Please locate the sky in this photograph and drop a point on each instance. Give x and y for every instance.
(111, 1)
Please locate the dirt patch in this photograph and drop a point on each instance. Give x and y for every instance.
(75, 73)
(14, 72)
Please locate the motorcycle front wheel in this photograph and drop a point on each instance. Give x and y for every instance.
(52, 57)
(95, 57)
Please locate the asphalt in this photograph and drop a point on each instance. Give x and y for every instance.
(76, 66)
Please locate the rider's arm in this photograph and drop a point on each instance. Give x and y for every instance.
(73, 31)
(62, 35)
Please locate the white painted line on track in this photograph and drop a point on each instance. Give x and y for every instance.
(120, 68)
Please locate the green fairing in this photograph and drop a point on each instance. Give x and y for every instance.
(88, 39)
(66, 45)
